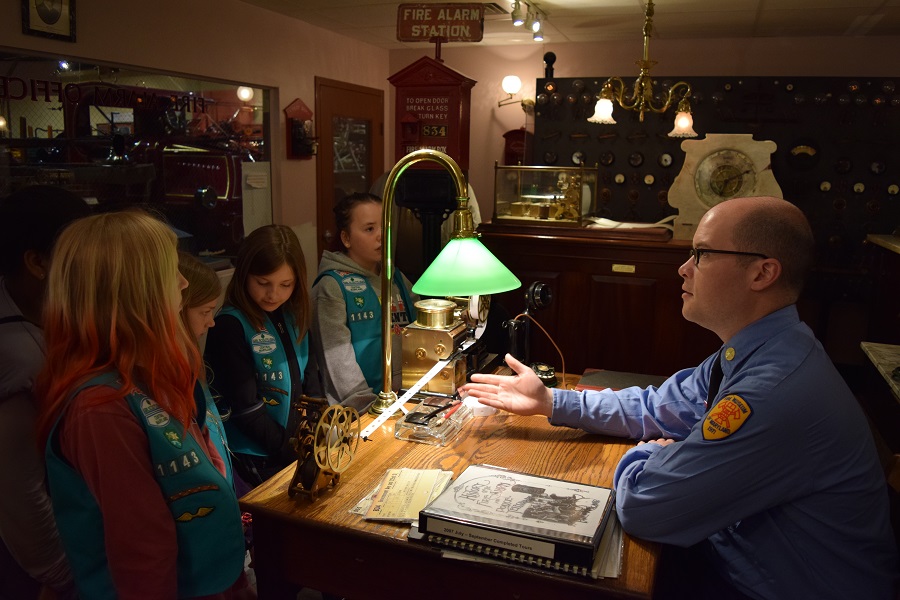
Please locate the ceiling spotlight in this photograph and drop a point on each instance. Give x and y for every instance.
(536, 24)
(517, 14)
(539, 34)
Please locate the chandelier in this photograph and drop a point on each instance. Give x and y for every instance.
(642, 99)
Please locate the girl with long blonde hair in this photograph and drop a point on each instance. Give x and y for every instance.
(139, 492)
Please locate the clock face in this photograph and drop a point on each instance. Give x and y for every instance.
(724, 174)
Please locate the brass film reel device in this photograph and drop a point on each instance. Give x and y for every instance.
(325, 443)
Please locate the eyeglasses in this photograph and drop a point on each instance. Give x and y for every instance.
(698, 253)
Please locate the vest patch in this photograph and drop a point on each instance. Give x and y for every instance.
(726, 417)
(201, 512)
(354, 284)
(263, 343)
(359, 301)
(153, 413)
(173, 437)
(267, 363)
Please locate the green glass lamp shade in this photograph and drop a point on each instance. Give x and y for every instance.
(465, 268)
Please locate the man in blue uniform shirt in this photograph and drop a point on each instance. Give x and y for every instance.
(760, 457)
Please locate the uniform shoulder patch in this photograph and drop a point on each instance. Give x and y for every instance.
(727, 416)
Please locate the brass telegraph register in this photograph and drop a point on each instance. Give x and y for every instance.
(440, 328)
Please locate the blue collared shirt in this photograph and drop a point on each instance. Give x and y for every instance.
(785, 485)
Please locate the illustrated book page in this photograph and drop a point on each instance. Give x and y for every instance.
(521, 513)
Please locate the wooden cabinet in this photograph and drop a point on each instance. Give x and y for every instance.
(616, 301)
(885, 311)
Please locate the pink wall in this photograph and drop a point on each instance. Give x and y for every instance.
(237, 42)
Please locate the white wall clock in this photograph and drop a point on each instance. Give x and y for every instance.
(720, 167)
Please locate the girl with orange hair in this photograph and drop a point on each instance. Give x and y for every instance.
(139, 491)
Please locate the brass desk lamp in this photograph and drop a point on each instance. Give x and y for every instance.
(463, 268)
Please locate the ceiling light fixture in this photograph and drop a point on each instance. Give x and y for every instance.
(529, 16)
(516, 14)
(642, 96)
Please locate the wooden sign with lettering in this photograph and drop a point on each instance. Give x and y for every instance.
(433, 104)
(448, 22)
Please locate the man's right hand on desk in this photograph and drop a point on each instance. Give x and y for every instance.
(522, 393)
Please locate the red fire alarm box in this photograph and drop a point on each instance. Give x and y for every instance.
(432, 110)
(301, 142)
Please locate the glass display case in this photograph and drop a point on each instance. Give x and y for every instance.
(548, 195)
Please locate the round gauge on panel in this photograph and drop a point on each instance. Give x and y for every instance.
(550, 158)
(893, 189)
(577, 157)
(620, 178)
(649, 179)
(724, 174)
(825, 186)
(664, 160)
(877, 167)
(550, 87)
(607, 158)
(803, 155)
(859, 187)
(636, 159)
(843, 165)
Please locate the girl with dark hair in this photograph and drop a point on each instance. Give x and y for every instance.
(347, 320)
(258, 352)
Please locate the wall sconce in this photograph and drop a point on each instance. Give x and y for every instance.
(3, 123)
(511, 84)
(642, 97)
(244, 93)
(464, 267)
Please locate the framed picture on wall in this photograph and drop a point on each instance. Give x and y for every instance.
(53, 19)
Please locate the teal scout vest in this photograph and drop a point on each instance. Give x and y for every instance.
(208, 414)
(203, 504)
(273, 375)
(364, 321)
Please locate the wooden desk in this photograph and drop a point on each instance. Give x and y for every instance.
(322, 546)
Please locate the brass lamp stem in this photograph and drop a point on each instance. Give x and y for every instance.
(387, 396)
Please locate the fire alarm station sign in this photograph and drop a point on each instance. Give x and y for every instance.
(450, 22)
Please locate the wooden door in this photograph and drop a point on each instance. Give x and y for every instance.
(350, 124)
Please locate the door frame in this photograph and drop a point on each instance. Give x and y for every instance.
(341, 99)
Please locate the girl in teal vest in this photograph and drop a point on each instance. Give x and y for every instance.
(198, 308)
(347, 320)
(258, 352)
(139, 491)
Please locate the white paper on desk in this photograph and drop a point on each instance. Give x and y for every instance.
(404, 492)
(601, 223)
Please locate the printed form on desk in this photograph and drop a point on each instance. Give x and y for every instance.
(402, 493)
